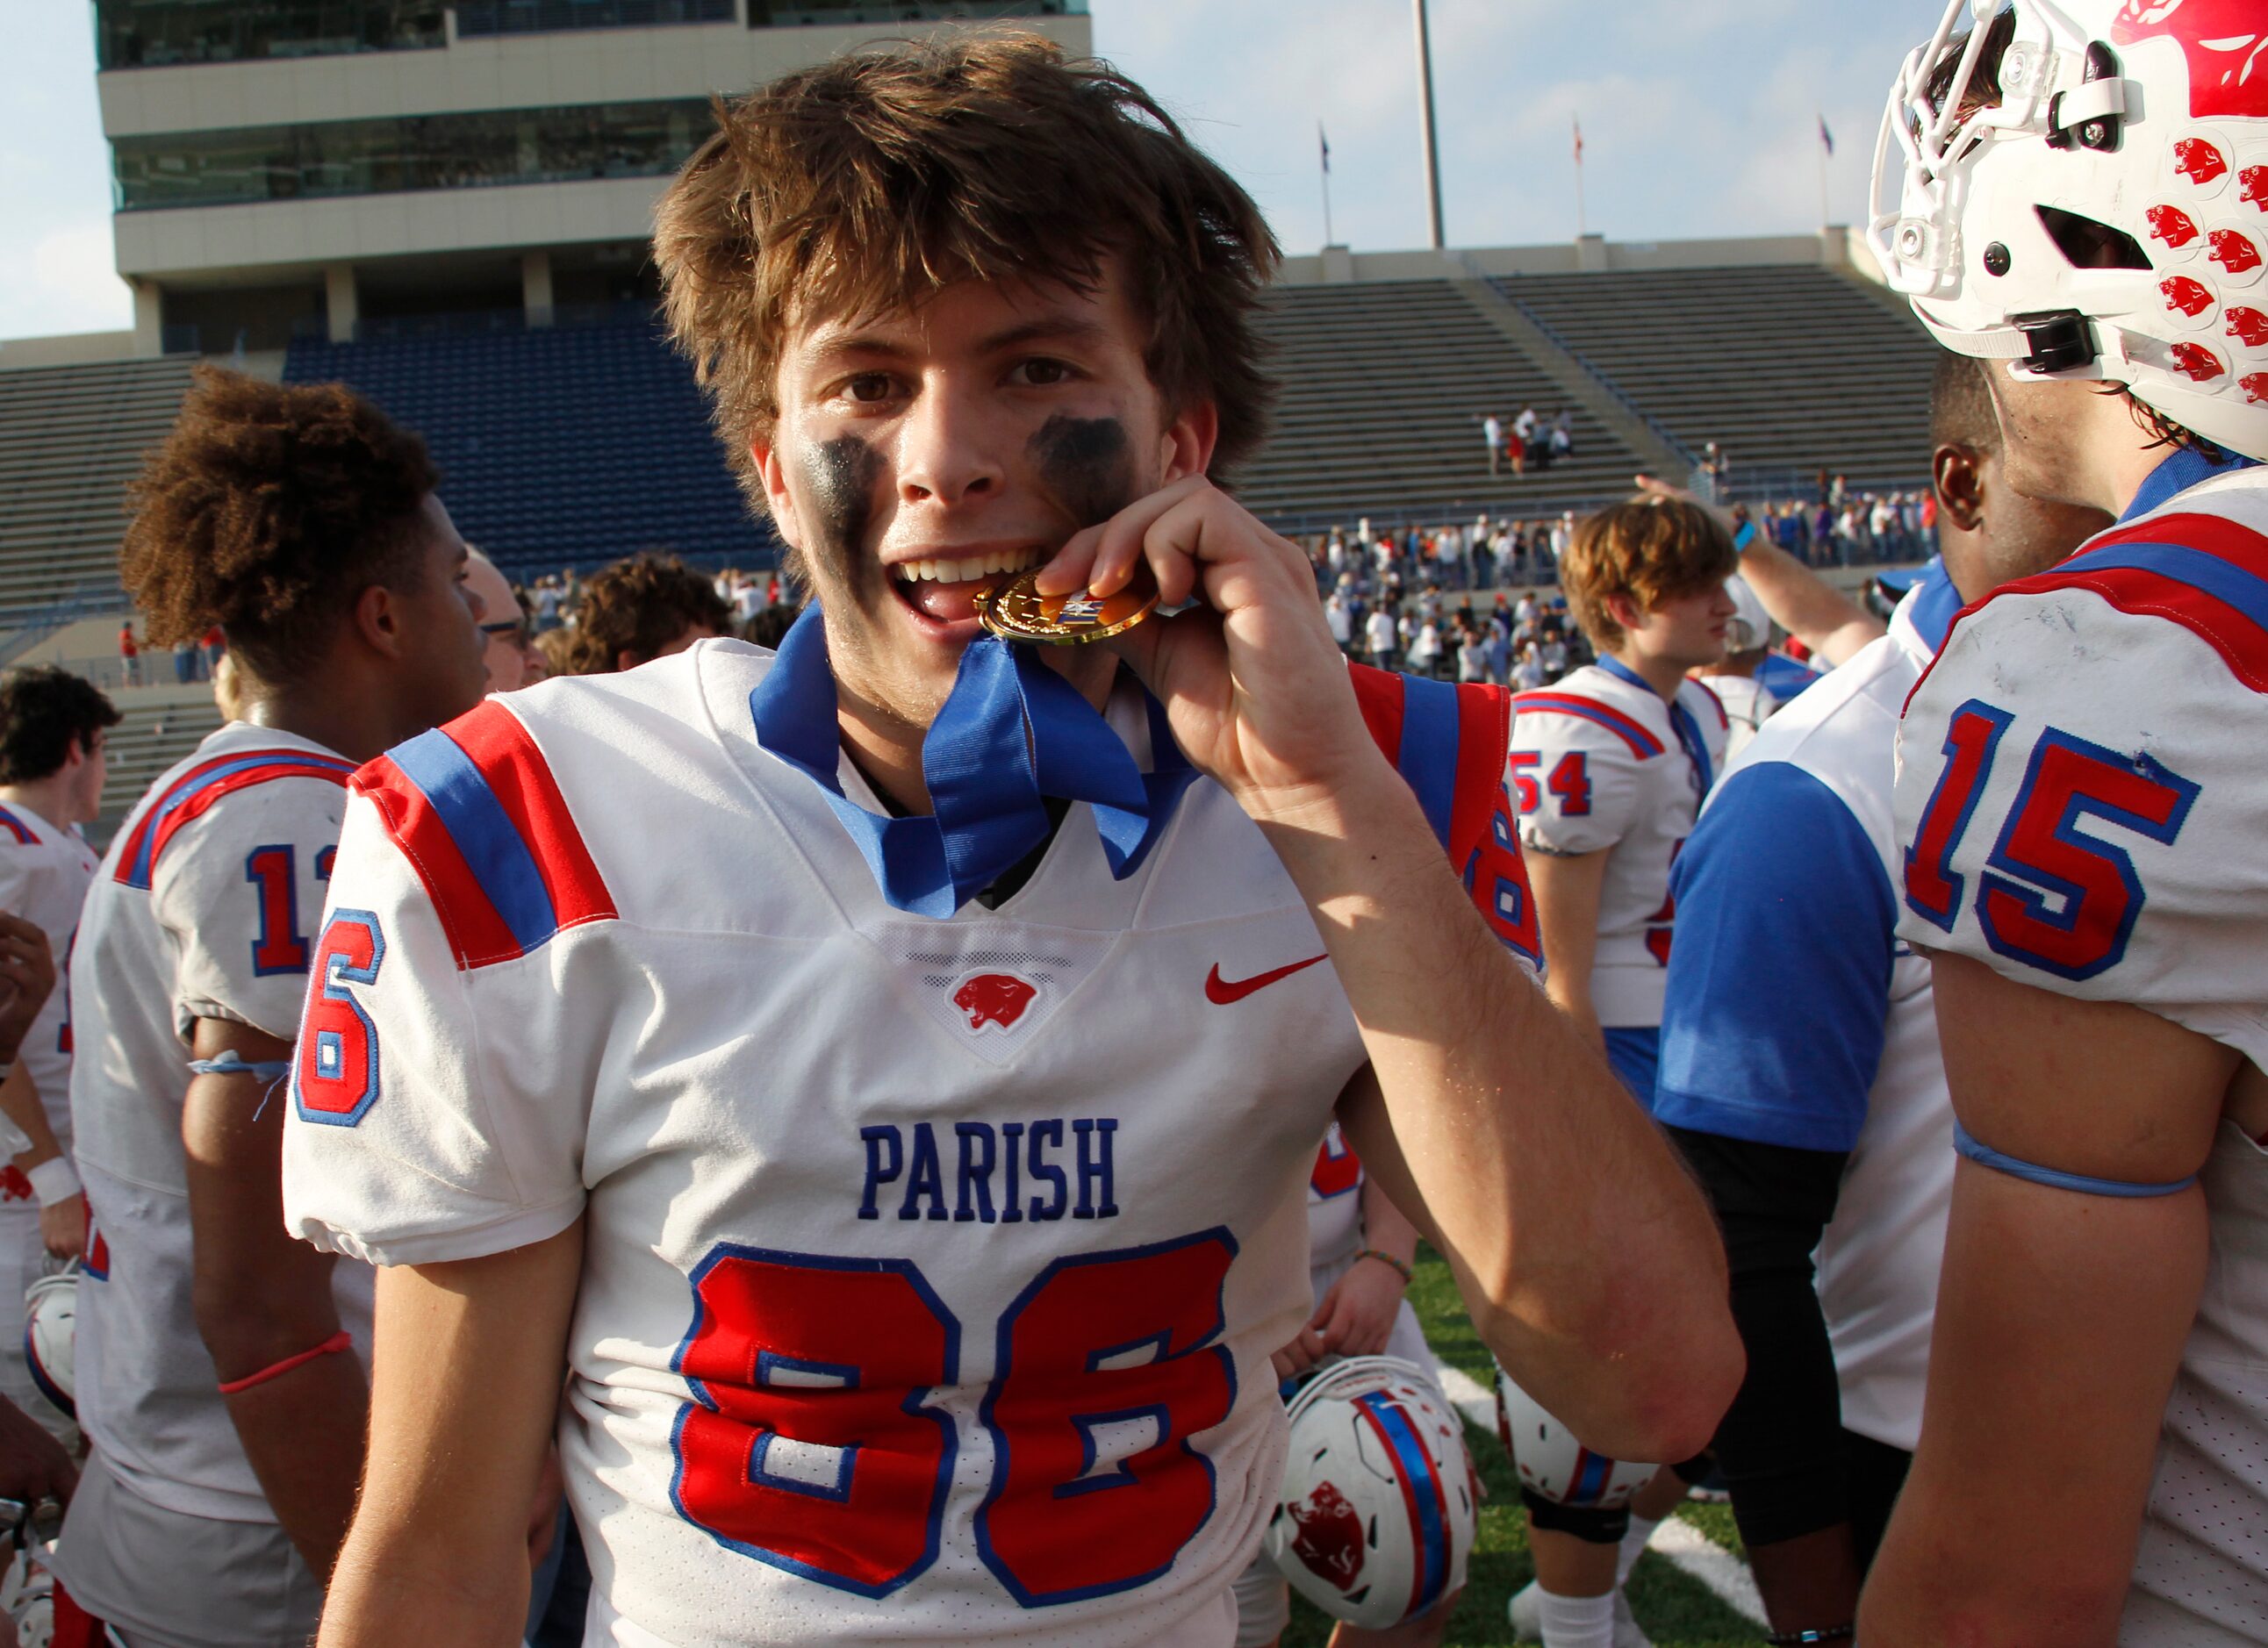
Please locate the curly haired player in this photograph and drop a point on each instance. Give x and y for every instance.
(219, 1362)
(647, 607)
(912, 1207)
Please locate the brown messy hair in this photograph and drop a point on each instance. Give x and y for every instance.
(267, 510)
(870, 183)
(1652, 549)
(639, 605)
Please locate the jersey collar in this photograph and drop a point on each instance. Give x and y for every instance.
(1011, 731)
(2181, 469)
(1681, 721)
(1930, 606)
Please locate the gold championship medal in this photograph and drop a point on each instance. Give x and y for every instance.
(1016, 611)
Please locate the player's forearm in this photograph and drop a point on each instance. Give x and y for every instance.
(1805, 605)
(1585, 1254)
(303, 1432)
(396, 1585)
(19, 1102)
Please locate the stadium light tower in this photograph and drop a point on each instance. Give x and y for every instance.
(1425, 118)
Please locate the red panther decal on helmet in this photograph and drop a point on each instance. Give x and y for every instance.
(1329, 1541)
(2222, 40)
(2254, 185)
(2198, 161)
(2197, 363)
(2255, 386)
(2233, 252)
(2248, 327)
(2192, 297)
(2172, 225)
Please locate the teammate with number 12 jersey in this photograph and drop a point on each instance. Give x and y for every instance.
(218, 1363)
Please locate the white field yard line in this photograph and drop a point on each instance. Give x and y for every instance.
(1675, 1540)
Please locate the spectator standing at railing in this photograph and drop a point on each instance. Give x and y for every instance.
(1340, 616)
(129, 654)
(1472, 656)
(185, 662)
(1492, 433)
(1381, 639)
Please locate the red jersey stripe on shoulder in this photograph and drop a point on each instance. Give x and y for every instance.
(1723, 720)
(1378, 695)
(476, 932)
(195, 793)
(2237, 636)
(508, 757)
(1642, 744)
(1483, 743)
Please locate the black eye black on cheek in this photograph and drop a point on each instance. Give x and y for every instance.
(840, 474)
(1088, 464)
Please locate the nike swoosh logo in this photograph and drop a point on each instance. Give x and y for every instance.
(1220, 991)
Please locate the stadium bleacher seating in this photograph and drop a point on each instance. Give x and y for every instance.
(557, 445)
(70, 440)
(1791, 369)
(1383, 385)
(160, 727)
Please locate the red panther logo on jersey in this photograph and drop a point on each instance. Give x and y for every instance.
(2222, 41)
(2192, 297)
(2197, 363)
(1329, 1541)
(993, 998)
(2172, 225)
(2248, 327)
(15, 1184)
(2234, 253)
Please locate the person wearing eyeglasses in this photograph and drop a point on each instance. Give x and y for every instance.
(513, 662)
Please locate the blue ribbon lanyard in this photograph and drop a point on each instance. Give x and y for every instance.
(1011, 733)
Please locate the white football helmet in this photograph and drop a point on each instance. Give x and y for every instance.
(2106, 216)
(50, 1334)
(1751, 626)
(1552, 1463)
(1381, 1503)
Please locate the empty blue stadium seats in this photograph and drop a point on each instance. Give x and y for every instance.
(559, 446)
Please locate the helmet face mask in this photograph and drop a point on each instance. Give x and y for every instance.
(2079, 188)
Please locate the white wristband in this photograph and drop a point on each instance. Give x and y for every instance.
(54, 1181)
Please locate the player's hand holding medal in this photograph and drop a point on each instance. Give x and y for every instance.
(1255, 688)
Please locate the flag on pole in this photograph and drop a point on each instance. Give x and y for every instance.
(1578, 140)
(1826, 137)
(1326, 142)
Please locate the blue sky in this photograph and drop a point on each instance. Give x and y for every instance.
(1699, 118)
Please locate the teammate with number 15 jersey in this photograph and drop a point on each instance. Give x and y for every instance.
(912, 1206)
(218, 1362)
(2070, 194)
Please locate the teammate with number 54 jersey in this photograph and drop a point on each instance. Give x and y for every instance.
(881, 1077)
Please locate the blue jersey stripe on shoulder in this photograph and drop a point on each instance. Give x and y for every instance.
(194, 784)
(1428, 757)
(492, 846)
(2221, 579)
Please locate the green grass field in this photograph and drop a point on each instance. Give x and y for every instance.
(1677, 1610)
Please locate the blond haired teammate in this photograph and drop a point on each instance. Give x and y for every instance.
(735, 1160)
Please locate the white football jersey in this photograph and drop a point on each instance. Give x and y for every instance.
(2079, 794)
(932, 1266)
(1746, 706)
(44, 873)
(1601, 764)
(200, 910)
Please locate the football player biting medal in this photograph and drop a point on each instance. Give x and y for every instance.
(911, 1224)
